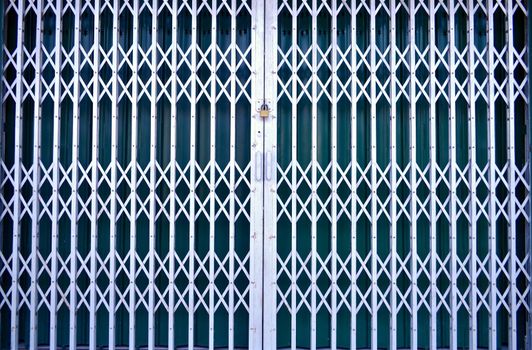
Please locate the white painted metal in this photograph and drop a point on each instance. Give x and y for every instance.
(153, 52)
(213, 58)
(414, 323)
(74, 182)
(114, 181)
(492, 299)
(354, 178)
(452, 175)
(94, 182)
(15, 297)
(314, 177)
(173, 165)
(56, 179)
(432, 173)
(36, 179)
(510, 130)
(393, 179)
(232, 161)
(334, 183)
(105, 298)
(293, 186)
(373, 289)
(192, 181)
(432, 306)
(133, 198)
(268, 90)
(260, 230)
(472, 174)
(373, 174)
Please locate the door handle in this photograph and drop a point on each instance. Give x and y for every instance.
(258, 166)
(269, 165)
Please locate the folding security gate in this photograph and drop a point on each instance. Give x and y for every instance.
(265, 174)
(131, 214)
(399, 213)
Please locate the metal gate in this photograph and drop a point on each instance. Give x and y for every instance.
(131, 215)
(265, 174)
(397, 216)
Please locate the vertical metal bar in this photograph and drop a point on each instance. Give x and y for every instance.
(266, 86)
(153, 180)
(171, 228)
(293, 181)
(314, 175)
(334, 169)
(528, 156)
(373, 151)
(212, 171)
(232, 164)
(2, 131)
(492, 196)
(452, 177)
(17, 179)
(36, 180)
(472, 176)
(114, 155)
(432, 175)
(133, 194)
(74, 181)
(413, 173)
(2, 115)
(192, 181)
(353, 300)
(94, 179)
(55, 174)
(393, 182)
(510, 129)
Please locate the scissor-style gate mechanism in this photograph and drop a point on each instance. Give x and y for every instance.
(265, 174)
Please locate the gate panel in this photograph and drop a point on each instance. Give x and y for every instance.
(397, 217)
(131, 214)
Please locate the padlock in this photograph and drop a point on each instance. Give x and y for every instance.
(264, 111)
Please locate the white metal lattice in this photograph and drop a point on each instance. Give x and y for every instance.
(112, 95)
(384, 203)
(421, 79)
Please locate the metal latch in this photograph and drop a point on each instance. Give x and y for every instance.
(264, 110)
